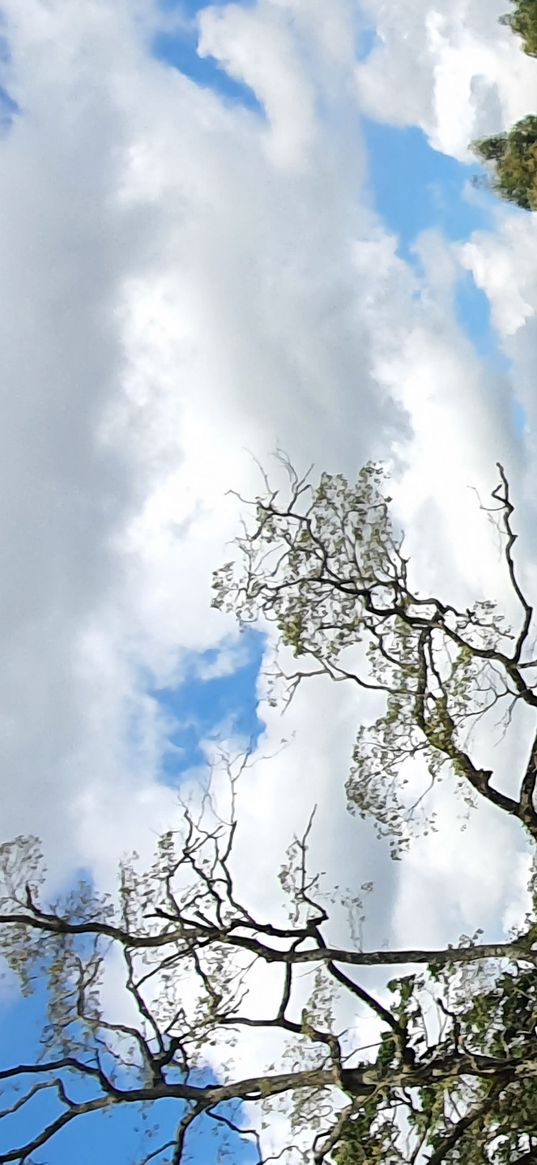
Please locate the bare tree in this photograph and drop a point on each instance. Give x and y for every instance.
(190, 949)
(451, 1075)
(326, 565)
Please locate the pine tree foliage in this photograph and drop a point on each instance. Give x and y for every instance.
(512, 157)
(522, 19)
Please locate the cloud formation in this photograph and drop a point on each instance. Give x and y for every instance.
(451, 69)
(187, 281)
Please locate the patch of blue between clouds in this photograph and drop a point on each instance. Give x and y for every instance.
(203, 706)
(472, 309)
(367, 39)
(416, 188)
(192, 7)
(178, 48)
(8, 108)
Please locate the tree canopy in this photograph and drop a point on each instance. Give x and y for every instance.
(513, 156)
(451, 1075)
(326, 565)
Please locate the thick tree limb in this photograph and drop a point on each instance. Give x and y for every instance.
(184, 938)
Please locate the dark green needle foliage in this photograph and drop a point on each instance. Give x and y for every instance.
(522, 19)
(512, 158)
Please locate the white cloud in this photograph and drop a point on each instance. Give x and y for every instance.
(450, 68)
(501, 264)
(254, 46)
(170, 298)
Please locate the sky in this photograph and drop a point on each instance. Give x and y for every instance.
(228, 229)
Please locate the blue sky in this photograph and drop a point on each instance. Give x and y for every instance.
(432, 191)
(178, 49)
(412, 187)
(200, 709)
(120, 1137)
